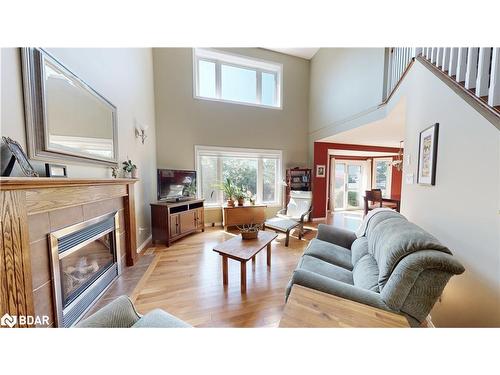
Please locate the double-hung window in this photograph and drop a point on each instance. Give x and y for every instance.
(239, 79)
(256, 171)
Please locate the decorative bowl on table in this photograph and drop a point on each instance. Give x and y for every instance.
(250, 231)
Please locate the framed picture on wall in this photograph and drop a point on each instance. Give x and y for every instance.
(320, 171)
(427, 153)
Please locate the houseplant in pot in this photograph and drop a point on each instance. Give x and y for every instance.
(229, 190)
(249, 231)
(130, 169)
(240, 195)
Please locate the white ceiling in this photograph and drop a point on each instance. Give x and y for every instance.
(387, 132)
(305, 53)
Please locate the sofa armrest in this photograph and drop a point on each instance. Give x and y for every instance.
(160, 319)
(118, 314)
(337, 236)
(337, 288)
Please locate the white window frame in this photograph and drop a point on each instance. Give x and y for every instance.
(226, 58)
(259, 154)
(389, 175)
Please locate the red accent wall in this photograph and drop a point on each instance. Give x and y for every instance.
(397, 180)
(320, 184)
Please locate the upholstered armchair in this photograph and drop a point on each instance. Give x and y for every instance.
(293, 216)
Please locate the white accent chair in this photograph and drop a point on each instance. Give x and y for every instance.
(294, 215)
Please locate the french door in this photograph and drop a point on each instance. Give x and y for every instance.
(382, 173)
(348, 188)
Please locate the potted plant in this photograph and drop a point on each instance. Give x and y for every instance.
(229, 190)
(250, 231)
(240, 196)
(251, 197)
(130, 169)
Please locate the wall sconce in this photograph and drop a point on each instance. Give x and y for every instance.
(140, 132)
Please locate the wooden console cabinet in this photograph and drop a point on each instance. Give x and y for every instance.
(172, 221)
(240, 215)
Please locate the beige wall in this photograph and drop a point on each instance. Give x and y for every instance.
(344, 83)
(183, 121)
(462, 209)
(125, 77)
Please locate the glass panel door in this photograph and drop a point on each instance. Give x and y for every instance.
(382, 171)
(353, 186)
(348, 188)
(340, 184)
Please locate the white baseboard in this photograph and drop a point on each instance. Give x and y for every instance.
(143, 245)
(318, 218)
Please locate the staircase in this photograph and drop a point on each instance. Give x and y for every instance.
(472, 72)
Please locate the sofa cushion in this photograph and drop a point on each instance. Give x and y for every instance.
(330, 253)
(395, 238)
(374, 218)
(160, 319)
(359, 249)
(327, 269)
(365, 273)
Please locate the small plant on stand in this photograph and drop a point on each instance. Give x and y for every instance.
(130, 169)
(251, 197)
(240, 195)
(229, 190)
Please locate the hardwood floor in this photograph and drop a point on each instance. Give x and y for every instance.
(186, 280)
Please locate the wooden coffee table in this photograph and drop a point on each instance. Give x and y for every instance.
(243, 250)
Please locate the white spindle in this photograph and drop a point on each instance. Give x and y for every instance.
(433, 54)
(400, 63)
(418, 51)
(461, 64)
(494, 93)
(394, 66)
(452, 67)
(393, 72)
(439, 57)
(427, 53)
(471, 72)
(483, 71)
(446, 59)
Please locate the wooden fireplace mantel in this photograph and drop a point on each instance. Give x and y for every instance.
(23, 199)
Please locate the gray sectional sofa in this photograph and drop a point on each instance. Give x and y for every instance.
(391, 264)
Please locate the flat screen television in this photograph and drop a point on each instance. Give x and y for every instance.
(175, 185)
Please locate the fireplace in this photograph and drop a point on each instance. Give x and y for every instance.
(84, 263)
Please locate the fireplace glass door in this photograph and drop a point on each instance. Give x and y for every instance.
(81, 267)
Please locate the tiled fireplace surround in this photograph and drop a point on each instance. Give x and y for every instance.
(31, 213)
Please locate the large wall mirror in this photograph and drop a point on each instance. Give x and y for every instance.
(65, 118)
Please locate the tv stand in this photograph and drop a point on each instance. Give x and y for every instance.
(173, 220)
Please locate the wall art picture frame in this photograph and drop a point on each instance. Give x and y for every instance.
(427, 155)
(320, 171)
(55, 170)
(12, 151)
